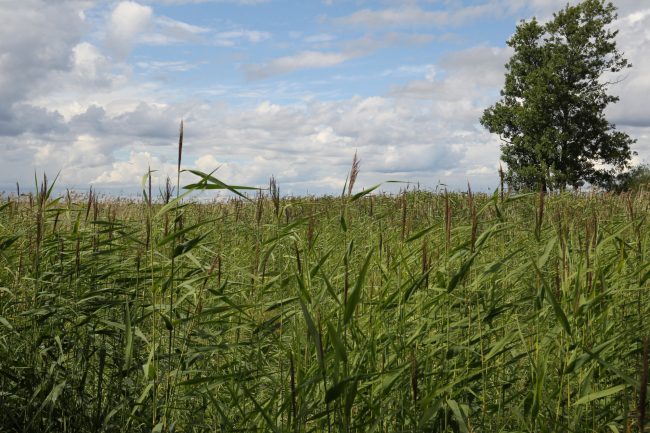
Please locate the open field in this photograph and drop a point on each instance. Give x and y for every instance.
(370, 313)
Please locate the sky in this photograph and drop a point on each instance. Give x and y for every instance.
(96, 90)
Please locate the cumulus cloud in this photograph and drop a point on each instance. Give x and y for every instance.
(127, 20)
(131, 23)
(151, 121)
(633, 85)
(90, 65)
(30, 59)
(49, 49)
(468, 73)
(26, 118)
(130, 171)
(72, 106)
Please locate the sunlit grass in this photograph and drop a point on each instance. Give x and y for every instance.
(413, 312)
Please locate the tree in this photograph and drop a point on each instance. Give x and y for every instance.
(551, 115)
(638, 178)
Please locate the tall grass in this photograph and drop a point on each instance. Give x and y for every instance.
(453, 312)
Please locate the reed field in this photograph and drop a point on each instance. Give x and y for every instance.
(423, 311)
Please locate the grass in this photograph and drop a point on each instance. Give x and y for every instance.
(422, 311)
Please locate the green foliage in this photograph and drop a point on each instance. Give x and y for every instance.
(551, 114)
(637, 178)
(425, 313)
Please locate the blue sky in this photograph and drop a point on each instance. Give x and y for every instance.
(95, 90)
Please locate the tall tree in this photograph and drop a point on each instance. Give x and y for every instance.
(551, 115)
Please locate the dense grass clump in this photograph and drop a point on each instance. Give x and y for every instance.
(363, 313)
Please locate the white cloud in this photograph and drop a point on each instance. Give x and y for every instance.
(37, 42)
(182, 29)
(473, 73)
(70, 106)
(410, 14)
(171, 66)
(319, 38)
(182, 2)
(312, 59)
(634, 84)
(394, 17)
(130, 172)
(127, 20)
(165, 31)
(230, 38)
(36, 39)
(89, 62)
(303, 60)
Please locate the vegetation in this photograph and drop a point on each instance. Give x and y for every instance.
(551, 115)
(635, 179)
(423, 311)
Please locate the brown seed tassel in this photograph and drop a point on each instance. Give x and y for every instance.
(502, 176)
(354, 172)
(414, 376)
(180, 147)
(298, 261)
(274, 190)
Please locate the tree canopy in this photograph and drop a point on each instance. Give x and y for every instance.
(551, 113)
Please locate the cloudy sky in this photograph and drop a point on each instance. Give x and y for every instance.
(290, 88)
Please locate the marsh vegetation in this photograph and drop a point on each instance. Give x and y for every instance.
(419, 311)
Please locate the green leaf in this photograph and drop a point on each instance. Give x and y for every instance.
(313, 271)
(6, 323)
(168, 322)
(600, 394)
(416, 284)
(128, 349)
(421, 233)
(183, 231)
(557, 309)
(172, 204)
(547, 253)
(358, 195)
(459, 415)
(335, 391)
(188, 245)
(499, 345)
(458, 276)
(6, 243)
(216, 184)
(149, 367)
(355, 295)
(313, 332)
(387, 381)
(261, 410)
(281, 303)
(339, 345)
